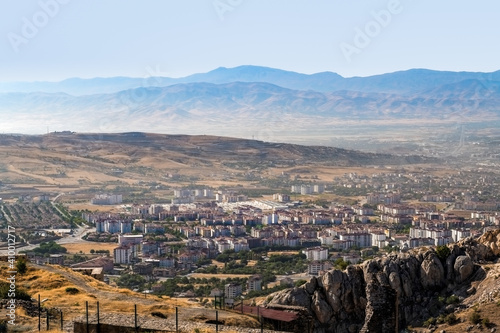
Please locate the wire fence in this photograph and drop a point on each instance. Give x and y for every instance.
(95, 321)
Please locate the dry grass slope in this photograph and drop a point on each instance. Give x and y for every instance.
(52, 283)
(64, 159)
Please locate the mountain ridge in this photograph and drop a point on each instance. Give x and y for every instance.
(284, 108)
(262, 96)
(411, 80)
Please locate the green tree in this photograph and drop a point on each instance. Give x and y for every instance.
(21, 265)
(443, 252)
(341, 264)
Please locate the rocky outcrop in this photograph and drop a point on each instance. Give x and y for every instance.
(463, 268)
(387, 294)
(491, 241)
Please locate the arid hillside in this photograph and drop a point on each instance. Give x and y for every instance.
(70, 159)
(61, 289)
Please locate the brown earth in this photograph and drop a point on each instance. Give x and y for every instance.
(83, 160)
(51, 283)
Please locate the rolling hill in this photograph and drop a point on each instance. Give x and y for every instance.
(241, 108)
(73, 159)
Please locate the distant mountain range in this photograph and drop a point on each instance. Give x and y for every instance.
(410, 81)
(250, 101)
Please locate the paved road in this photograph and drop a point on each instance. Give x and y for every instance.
(53, 203)
(448, 208)
(6, 216)
(78, 234)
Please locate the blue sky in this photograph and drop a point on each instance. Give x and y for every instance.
(56, 39)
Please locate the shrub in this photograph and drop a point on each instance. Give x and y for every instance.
(442, 252)
(428, 322)
(298, 283)
(20, 293)
(21, 265)
(451, 319)
(341, 264)
(475, 318)
(72, 290)
(452, 300)
(159, 314)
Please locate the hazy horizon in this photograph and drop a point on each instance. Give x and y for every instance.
(281, 69)
(52, 40)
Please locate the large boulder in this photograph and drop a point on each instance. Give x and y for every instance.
(295, 296)
(320, 307)
(463, 268)
(432, 272)
(492, 241)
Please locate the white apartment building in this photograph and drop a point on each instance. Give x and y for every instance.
(231, 290)
(360, 239)
(254, 283)
(124, 240)
(458, 234)
(378, 239)
(113, 226)
(313, 268)
(106, 199)
(123, 254)
(316, 253)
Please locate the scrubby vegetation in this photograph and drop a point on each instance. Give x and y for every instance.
(20, 293)
(267, 266)
(50, 248)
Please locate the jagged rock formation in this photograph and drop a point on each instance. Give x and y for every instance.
(387, 294)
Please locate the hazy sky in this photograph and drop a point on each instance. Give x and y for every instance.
(57, 39)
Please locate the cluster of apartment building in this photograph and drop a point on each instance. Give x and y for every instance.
(385, 198)
(106, 199)
(307, 188)
(212, 228)
(183, 195)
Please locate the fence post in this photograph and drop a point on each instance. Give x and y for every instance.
(87, 314)
(135, 317)
(39, 314)
(176, 319)
(48, 320)
(216, 321)
(98, 323)
(61, 320)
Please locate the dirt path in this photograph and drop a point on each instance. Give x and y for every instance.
(45, 179)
